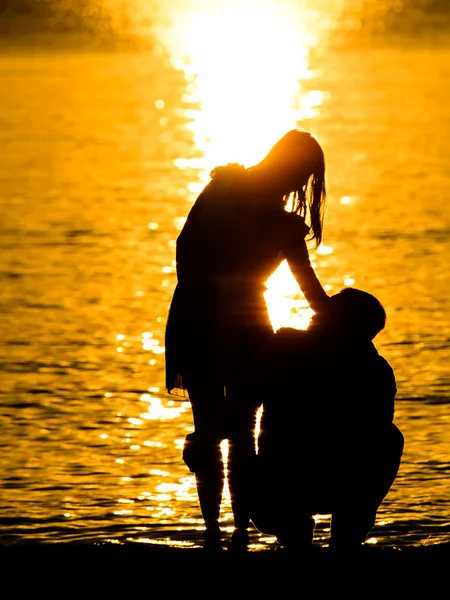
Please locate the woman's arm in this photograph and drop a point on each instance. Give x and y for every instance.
(300, 265)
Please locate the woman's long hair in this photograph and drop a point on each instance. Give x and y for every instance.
(299, 152)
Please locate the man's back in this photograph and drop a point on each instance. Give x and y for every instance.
(327, 427)
(322, 382)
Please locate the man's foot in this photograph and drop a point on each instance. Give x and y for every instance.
(296, 545)
(347, 551)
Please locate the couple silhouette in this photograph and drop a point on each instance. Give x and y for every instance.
(327, 440)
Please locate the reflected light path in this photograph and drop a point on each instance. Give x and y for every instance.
(244, 64)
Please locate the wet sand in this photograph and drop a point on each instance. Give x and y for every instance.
(142, 566)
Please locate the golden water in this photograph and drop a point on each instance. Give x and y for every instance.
(102, 156)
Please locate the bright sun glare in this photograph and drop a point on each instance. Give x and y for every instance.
(244, 62)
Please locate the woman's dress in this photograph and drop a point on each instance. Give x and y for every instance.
(218, 324)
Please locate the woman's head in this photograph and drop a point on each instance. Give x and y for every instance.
(295, 167)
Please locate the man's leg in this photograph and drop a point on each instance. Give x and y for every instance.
(365, 489)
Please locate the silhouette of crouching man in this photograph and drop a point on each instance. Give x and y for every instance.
(335, 449)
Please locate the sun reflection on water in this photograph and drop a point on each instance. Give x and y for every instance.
(245, 64)
(158, 410)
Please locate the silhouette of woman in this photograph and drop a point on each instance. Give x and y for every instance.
(242, 225)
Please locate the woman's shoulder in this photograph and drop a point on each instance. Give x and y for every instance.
(226, 172)
(293, 227)
(225, 181)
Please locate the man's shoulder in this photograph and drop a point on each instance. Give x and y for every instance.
(382, 376)
(381, 361)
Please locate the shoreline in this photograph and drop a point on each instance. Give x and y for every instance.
(143, 567)
(135, 552)
(172, 549)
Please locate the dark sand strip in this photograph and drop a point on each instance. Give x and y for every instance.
(184, 570)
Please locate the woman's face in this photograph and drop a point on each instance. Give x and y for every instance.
(286, 175)
(294, 178)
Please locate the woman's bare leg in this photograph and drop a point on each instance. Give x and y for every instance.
(203, 455)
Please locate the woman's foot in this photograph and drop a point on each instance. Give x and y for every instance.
(212, 539)
(239, 540)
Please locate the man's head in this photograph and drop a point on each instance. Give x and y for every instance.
(358, 313)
